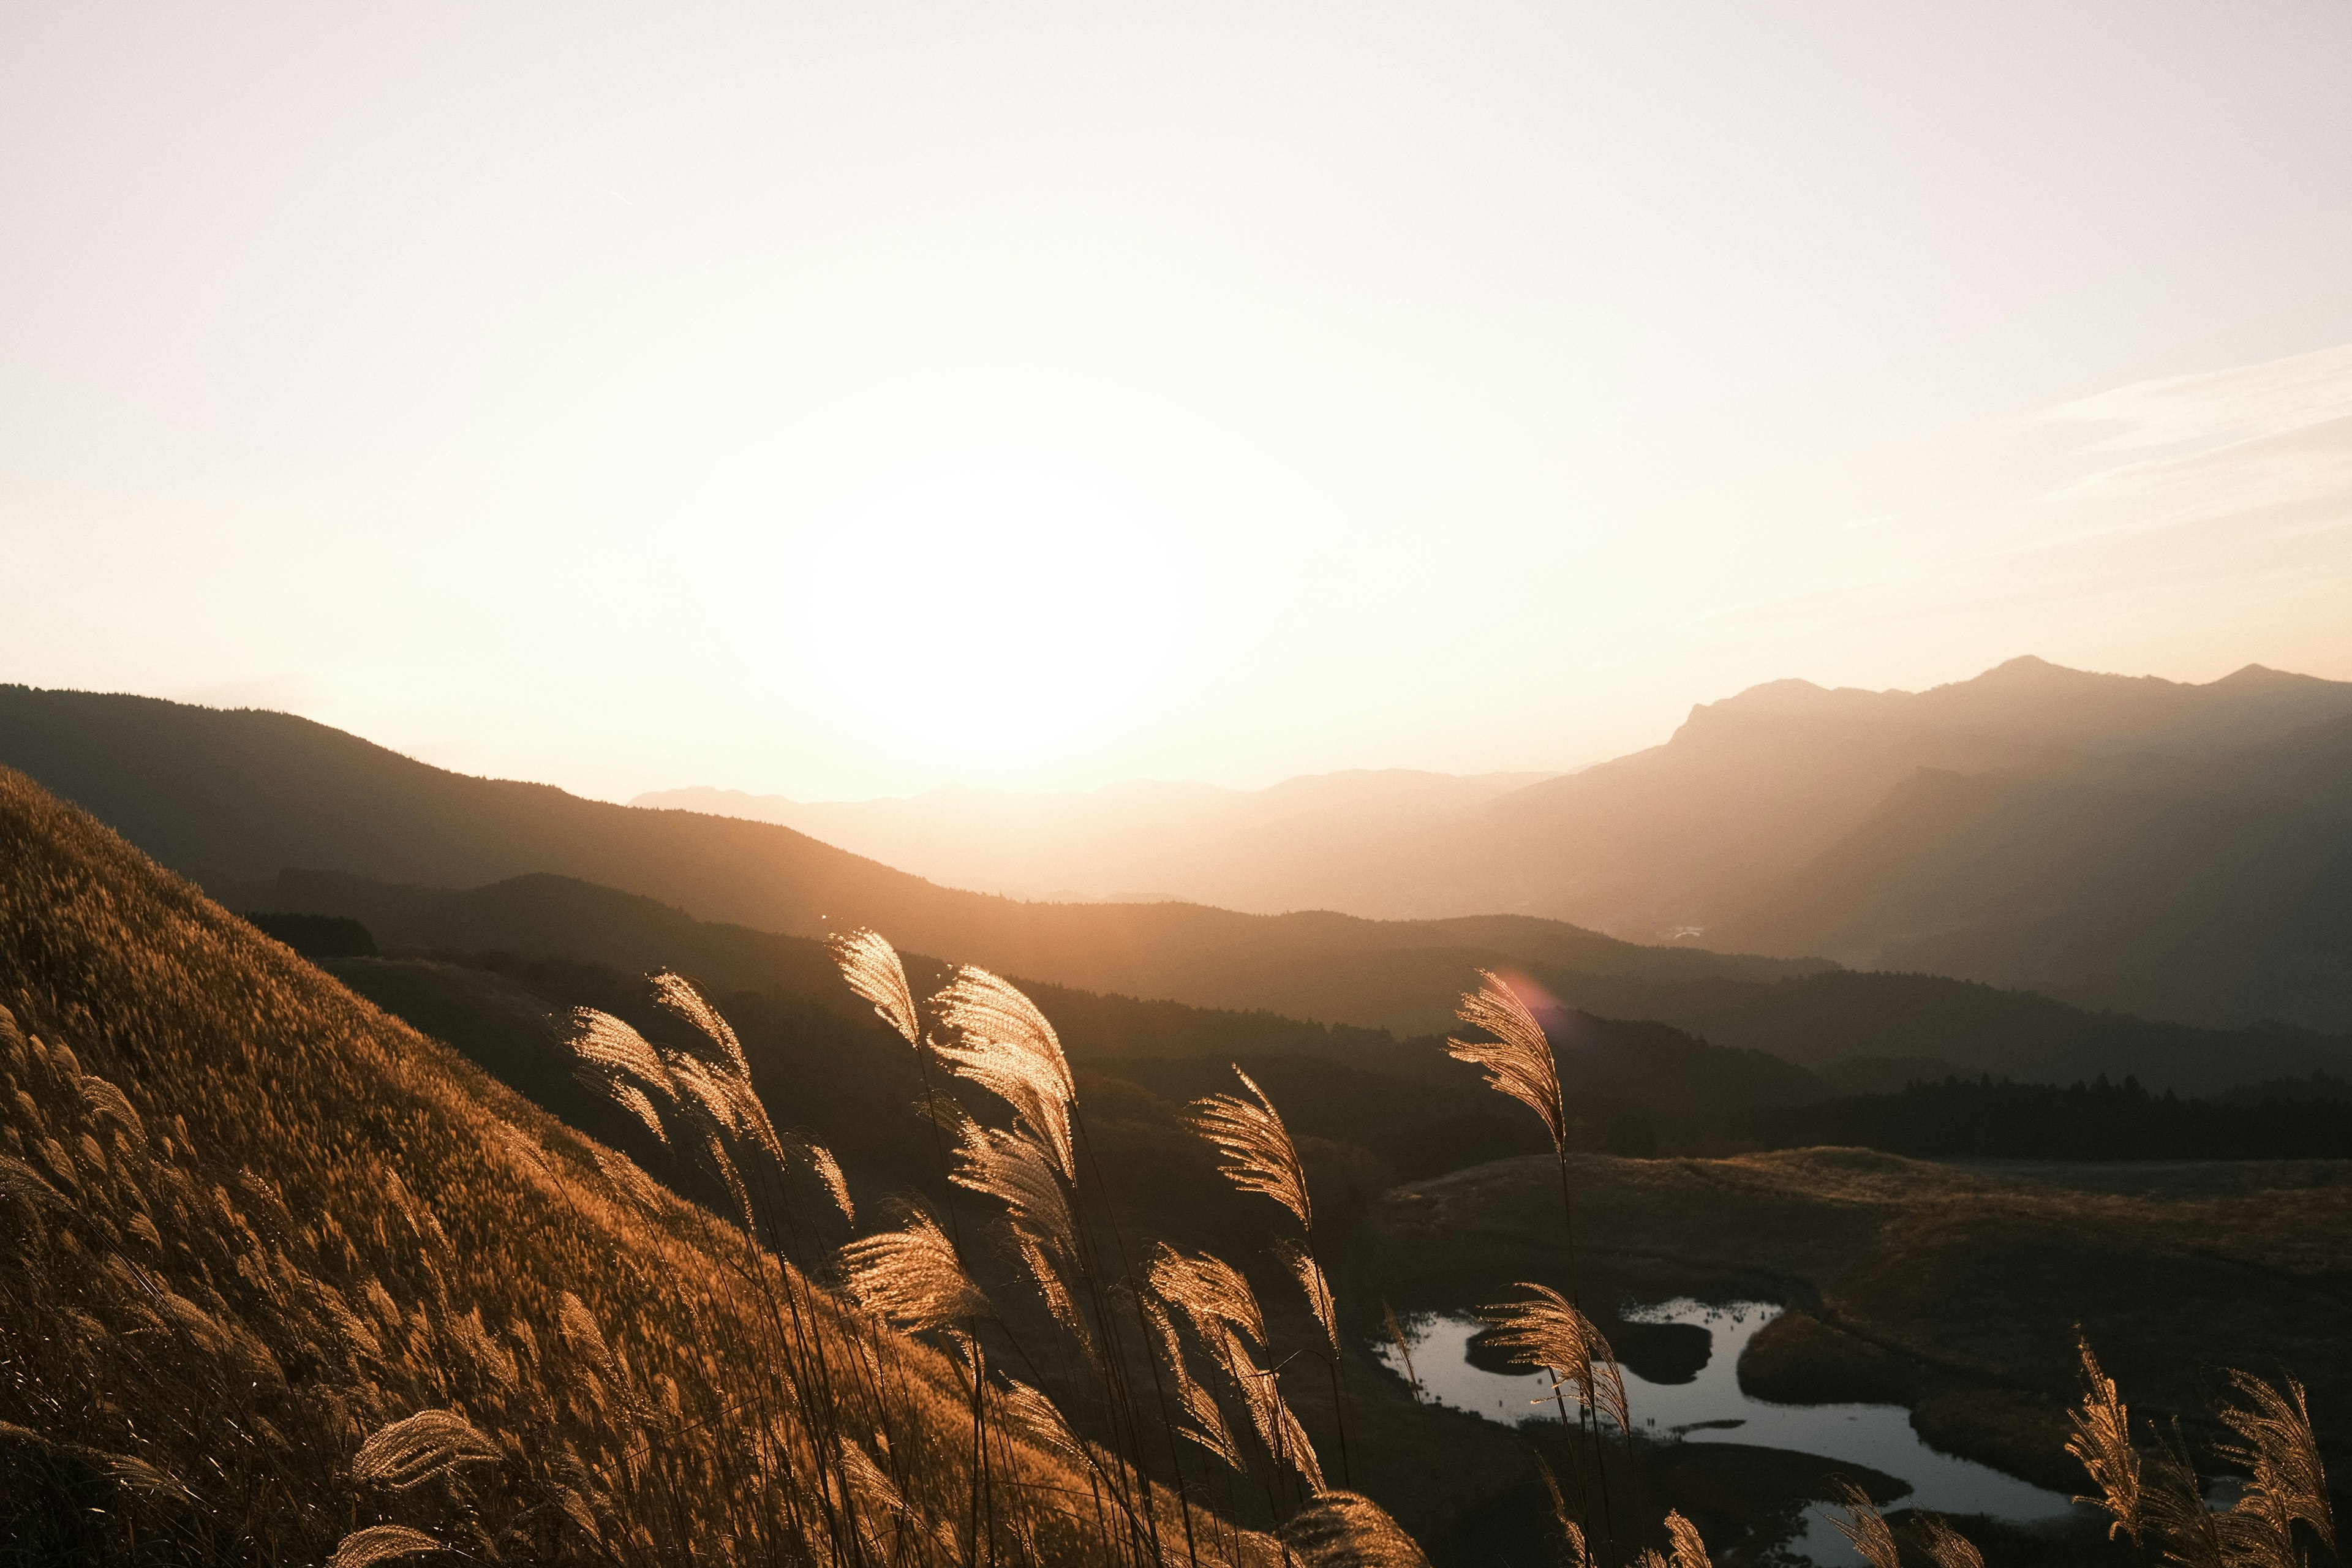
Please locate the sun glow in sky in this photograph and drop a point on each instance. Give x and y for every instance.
(833, 401)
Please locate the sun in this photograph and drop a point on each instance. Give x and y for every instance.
(993, 613)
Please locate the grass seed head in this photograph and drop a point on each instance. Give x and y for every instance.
(871, 966)
(1346, 1530)
(1259, 1156)
(1005, 1045)
(1519, 1060)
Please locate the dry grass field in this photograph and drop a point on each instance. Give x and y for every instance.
(288, 1282)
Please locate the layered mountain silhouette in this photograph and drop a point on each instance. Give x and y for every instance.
(2214, 890)
(1322, 841)
(2180, 851)
(2125, 842)
(231, 797)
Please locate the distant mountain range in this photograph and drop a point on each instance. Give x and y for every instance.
(2179, 850)
(232, 798)
(1322, 841)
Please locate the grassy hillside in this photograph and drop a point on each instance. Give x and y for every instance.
(254, 1222)
(228, 797)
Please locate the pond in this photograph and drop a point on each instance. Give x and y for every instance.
(1709, 1406)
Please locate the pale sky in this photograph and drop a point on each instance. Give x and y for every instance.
(838, 399)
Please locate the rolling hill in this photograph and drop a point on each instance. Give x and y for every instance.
(1727, 1043)
(230, 797)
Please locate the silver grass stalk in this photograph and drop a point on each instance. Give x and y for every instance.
(912, 1277)
(601, 1042)
(1547, 1330)
(1571, 1534)
(19, 1183)
(1259, 1156)
(1048, 1276)
(1309, 1275)
(1689, 1551)
(682, 998)
(1207, 1290)
(417, 1448)
(1205, 1420)
(836, 1186)
(2102, 1442)
(1019, 1172)
(380, 1544)
(876, 1493)
(2278, 1451)
(622, 1064)
(1038, 1418)
(1345, 1530)
(1005, 1045)
(1864, 1528)
(870, 964)
(107, 1103)
(1403, 1346)
(1278, 1425)
(1947, 1547)
(1519, 1061)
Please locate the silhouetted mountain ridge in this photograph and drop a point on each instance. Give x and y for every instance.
(232, 798)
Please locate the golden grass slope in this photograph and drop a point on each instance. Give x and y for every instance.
(280, 1274)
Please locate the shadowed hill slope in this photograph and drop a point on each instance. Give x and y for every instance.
(2216, 891)
(1730, 1045)
(252, 1220)
(231, 796)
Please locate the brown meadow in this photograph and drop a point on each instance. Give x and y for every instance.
(290, 1283)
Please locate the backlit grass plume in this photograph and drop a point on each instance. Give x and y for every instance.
(1207, 1290)
(1573, 1552)
(912, 1276)
(615, 1059)
(2102, 1442)
(1864, 1528)
(1259, 1156)
(1686, 1549)
(1947, 1547)
(1346, 1530)
(381, 1543)
(416, 1449)
(1205, 1421)
(871, 966)
(1278, 1424)
(1546, 1330)
(1309, 1275)
(1005, 1045)
(2287, 1484)
(1519, 1060)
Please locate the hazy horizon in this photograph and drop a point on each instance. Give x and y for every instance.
(834, 405)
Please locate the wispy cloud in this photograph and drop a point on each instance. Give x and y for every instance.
(2215, 505)
(2214, 408)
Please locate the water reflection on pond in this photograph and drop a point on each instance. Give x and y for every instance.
(1705, 1403)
